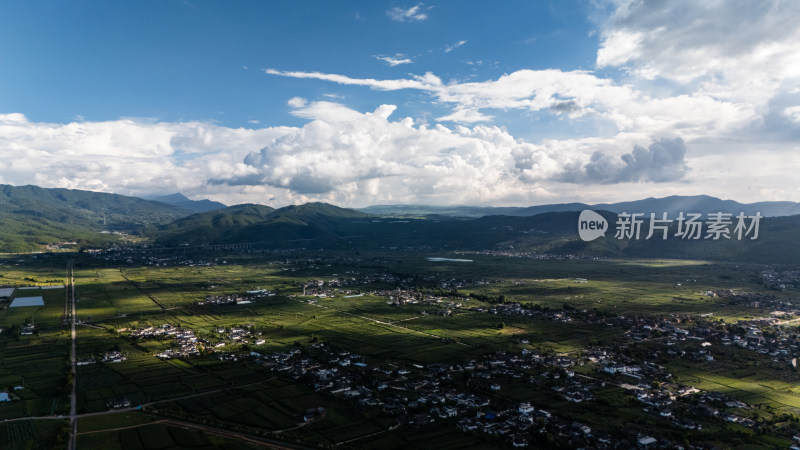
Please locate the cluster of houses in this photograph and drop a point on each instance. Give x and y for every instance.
(422, 394)
(451, 284)
(27, 330)
(339, 284)
(402, 295)
(236, 299)
(59, 245)
(117, 404)
(218, 300)
(85, 361)
(780, 279)
(237, 334)
(511, 253)
(516, 424)
(111, 356)
(683, 406)
(765, 336)
(756, 300)
(149, 257)
(187, 344)
(114, 356)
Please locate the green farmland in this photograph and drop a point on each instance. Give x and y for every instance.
(207, 402)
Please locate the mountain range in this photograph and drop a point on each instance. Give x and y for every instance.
(326, 226)
(671, 205)
(33, 217)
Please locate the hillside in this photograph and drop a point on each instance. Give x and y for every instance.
(333, 226)
(181, 201)
(257, 223)
(32, 216)
(213, 226)
(321, 225)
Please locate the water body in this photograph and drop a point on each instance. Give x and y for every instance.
(437, 259)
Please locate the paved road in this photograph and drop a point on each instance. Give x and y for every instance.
(73, 408)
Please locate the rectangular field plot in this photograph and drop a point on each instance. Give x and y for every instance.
(38, 371)
(43, 307)
(31, 434)
(143, 378)
(750, 390)
(105, 293)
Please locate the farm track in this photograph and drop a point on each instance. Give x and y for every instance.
(137, 407)
(146, 293)
(377, 433)
(264, 442)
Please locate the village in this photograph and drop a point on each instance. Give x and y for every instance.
(470, 394)
(526, 395)
(464, 394)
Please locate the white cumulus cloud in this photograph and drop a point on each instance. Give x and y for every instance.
(127, 156)
(366, 158)
(738, 50)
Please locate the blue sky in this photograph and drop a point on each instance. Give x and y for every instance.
(178, 61)
(517, 103)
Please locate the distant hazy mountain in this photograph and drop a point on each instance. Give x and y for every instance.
(32, 216)
(671, 205)
(184, 202)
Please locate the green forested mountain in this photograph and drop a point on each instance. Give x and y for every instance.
(32, 216)
(257, 223)
(181, 201)
(321, 225)
(213, 226)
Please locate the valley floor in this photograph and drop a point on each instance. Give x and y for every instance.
(397, 349)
